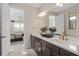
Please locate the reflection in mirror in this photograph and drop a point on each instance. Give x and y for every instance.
(72, 19)
(51, 21)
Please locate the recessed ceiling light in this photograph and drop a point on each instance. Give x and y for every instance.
(59, 4)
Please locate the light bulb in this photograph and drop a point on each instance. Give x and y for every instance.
(59, 4)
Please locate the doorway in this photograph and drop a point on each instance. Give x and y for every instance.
(16, 26)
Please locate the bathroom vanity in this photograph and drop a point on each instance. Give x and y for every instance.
(54, 46)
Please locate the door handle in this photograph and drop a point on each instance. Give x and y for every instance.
(2, 36)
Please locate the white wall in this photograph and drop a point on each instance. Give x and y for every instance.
(5, 28)
(59, 23)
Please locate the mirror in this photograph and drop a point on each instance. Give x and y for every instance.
(72, 19)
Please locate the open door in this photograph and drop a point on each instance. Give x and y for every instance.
(4, 29)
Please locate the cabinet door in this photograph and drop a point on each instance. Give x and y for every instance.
(54, 53)
(66, 53)
(46, 51)
(55, 50)
(38, 48)
(33, 42)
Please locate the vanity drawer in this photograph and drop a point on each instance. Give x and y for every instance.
(44, 42)
(49, 45)
(38, 39)
(66, 53)
(55, 49)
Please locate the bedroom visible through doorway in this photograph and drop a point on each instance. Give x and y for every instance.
(16, 26)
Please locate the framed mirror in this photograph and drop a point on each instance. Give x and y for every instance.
(72, 19)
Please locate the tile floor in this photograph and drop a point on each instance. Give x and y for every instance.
(19, 50)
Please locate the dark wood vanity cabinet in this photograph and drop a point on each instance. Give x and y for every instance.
(55, 50)
(33, 42)
(66, 53)
(38, 48)
(36, 45)
(43, 48)
(46, 51)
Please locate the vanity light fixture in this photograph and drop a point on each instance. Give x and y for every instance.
(42, 14)
(59, 4)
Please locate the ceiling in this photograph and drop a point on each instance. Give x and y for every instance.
(35, 5)
(52, 6)
(16, 14)
(65, 6)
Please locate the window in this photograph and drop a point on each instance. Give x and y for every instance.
(51, 21)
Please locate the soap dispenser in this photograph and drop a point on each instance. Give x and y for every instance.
(62, 36)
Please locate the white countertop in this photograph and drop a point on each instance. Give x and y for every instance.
(71, 45)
